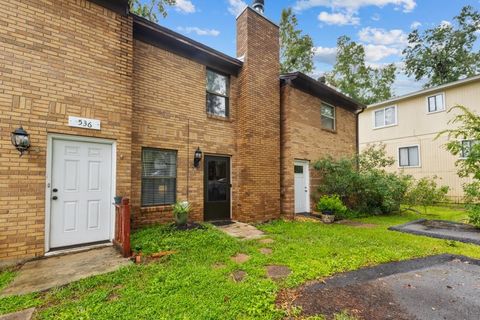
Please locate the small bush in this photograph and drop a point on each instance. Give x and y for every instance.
(362, 183)
(332, 204)
(425, 192)
(474, 214)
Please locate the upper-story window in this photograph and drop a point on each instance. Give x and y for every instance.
(436, 103)
(385, 117)
(328, 116)
(217, 94)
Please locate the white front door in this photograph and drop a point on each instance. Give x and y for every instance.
(302, 190)
(81, 187)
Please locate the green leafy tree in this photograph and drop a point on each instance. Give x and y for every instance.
(425, 192)
(296, 50)
(353, 77)
(149, 9)
(466, 126)
(445, 53)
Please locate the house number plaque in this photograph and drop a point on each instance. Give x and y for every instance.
(85, 123)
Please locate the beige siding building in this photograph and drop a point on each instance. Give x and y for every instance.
(408, 126)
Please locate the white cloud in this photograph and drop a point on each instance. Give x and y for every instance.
(199, 31)
(394, 37)
(415, 25)
(236, 6)
(375, 17)
(325, 55)
(185, 6)
(354, 5)
(338, 19)
(375, 53)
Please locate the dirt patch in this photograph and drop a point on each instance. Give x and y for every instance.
(240, 258)
(239, 275)
(439, 224)
(369, 301)
(278, 272)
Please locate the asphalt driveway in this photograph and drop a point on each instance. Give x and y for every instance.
(437, 287)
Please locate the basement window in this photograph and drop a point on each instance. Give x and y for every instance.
(217, 94)
(159, 177)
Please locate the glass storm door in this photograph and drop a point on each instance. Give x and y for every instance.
(217, 188)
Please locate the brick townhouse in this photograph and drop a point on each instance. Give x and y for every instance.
(116, 105)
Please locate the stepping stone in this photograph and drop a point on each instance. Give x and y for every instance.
(278, 272)
(266, 241)
(20, 315)
(266, 251)
(239, 275)
(240, 258)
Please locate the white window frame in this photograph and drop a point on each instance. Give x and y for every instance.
(385, 126)
(334, 116)
(434, 95)
(419, 156)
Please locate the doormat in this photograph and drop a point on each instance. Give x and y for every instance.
(222, 223)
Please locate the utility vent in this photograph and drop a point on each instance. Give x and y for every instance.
(259, 6)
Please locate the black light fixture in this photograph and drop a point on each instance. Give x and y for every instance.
(197, 157)
(20, 140)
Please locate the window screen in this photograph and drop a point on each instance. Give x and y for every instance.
(159, 177)
(385, 117)
(328, 117)
(409, 157)
(217, 94)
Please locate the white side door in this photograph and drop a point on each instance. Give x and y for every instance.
(302, 190)
(81, 184)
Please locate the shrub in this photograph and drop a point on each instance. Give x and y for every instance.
(181, 209)
(362, 182)
(425, 192)
(332, 204)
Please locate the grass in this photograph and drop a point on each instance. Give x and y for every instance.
(187, 285)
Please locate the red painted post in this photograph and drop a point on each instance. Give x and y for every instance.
(122, 227)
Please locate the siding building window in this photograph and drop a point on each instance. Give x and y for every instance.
(385, 117)
(328, 116)
(217, 94)
(436, 103)
(467, 147)
(159, 177)
(409, 156)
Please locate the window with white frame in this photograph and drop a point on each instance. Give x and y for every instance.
(409, 156)
(328, 116)
(467, 147)
(436, 103)
(385, 117)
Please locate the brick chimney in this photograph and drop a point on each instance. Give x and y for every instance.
(258, 130)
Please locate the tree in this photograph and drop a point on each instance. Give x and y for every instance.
(425, 192)
(353, 77)
(445, 53)
(296, 50)
(149, 10)
(466, 126)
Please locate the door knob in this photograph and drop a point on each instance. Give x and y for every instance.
(54, 198)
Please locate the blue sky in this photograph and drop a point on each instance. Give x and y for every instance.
(381, 25)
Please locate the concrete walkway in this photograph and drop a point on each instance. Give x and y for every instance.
(241, 230)
(43, 274)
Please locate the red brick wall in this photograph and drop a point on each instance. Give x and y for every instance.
(258, 127)
(58, 58)
(303, 138)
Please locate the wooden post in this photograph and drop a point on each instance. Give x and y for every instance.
(122, 227)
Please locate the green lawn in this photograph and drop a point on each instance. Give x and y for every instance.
(188, 286)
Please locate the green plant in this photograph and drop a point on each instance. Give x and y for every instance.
(362, 182)
(331, 204)
(181, 209)
(425, 192)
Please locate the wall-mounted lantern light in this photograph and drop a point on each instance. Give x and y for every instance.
(197, 157)
(20, 140)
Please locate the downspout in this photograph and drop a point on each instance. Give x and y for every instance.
(357, 114)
